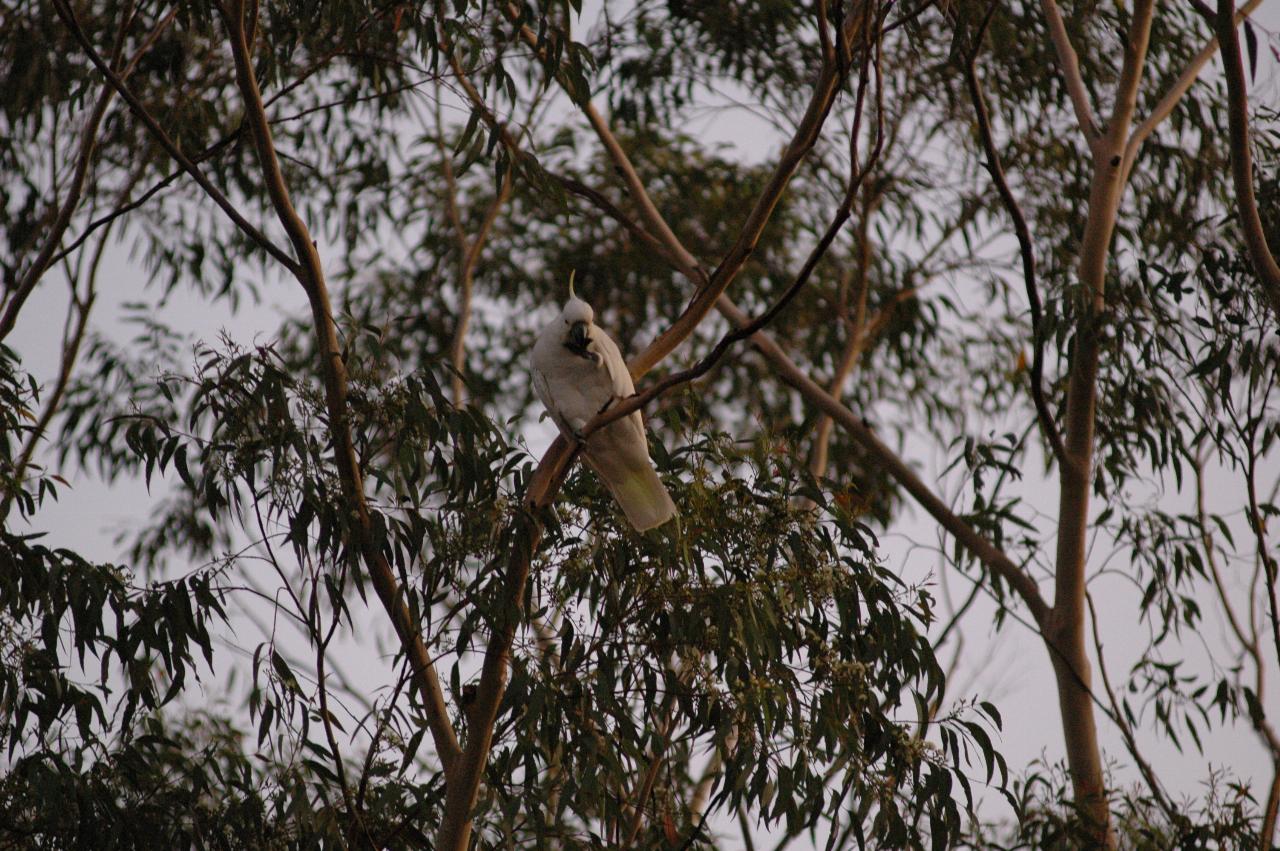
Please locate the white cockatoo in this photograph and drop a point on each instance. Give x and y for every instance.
(577, 373)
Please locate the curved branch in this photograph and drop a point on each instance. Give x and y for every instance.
(1255, 240)
(994, 167)
(1069, 63)
(856, 343)
(469, 251)
(857, 175)
(73, 337)
(1180, 87)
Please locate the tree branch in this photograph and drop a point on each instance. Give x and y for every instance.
(1065, 629)
(662, 736)
(610, 209)
(1135, 56)
(1258, 526)
(1175, 93)
(310, 274)
(994, 167)
(685, 262)
(171, 147)
(83, 163)
(1255, 240)
(639, 400)
(1069, 64)
(854, 346)
(469, 251)
(1250, 644)
(857, 175)
(73, 337)
(326, 717)
(466, 274)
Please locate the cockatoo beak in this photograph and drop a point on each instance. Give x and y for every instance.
(578, 339)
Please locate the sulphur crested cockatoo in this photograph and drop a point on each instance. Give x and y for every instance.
(577, 373)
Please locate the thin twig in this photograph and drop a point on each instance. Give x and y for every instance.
(742, 332)
(1259, 526)
(469, 255)
(1131, 743)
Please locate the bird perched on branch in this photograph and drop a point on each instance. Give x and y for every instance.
(578, 372)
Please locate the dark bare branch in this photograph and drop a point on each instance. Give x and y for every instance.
(171, 147)
(996, 169)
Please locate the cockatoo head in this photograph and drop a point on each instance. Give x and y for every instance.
(577, 317)
(576, 310)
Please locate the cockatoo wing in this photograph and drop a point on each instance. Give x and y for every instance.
(614, 364)
(620, 384)
(619, 452)
(543, 390)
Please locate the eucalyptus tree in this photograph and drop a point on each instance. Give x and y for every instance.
(1005, 232)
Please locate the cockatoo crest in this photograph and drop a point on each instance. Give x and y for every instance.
(575, 309)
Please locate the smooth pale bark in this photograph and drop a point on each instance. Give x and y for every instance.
(1066, 633)
(310, 274)
(1066, 626)
(1255, 240)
